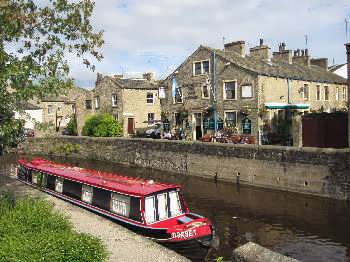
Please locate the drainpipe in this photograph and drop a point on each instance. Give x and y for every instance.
(213, 84)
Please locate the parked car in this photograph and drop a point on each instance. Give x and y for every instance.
(154, 131)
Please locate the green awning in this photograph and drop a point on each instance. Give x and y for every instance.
(286, 106)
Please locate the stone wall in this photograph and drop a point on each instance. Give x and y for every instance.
(322, 172)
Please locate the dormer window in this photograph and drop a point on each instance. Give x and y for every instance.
(201, 67)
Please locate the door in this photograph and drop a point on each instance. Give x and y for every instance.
(131, 130)
(198, 133)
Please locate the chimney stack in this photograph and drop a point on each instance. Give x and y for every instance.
(260, 52)
(149, 76)
(301, 57)
(283, 55)
(321, 62)
(238, 47)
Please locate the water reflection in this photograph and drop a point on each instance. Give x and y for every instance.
(304, 227)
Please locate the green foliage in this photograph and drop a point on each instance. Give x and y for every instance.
(66, 149)
(102, 125)
(31, 231)
(219, 259)
(72, 127)
(35, 41)
(11, 132)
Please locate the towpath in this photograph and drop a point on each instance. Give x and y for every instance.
(121, 243)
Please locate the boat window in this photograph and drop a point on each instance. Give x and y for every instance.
(120, 204)
(35, 176)
(51, 182)
(101, 198)
(59, 185)
(87, 194)
(175, 205)
(72, 189)
(162, 206)
(43, 181)
(150, 211)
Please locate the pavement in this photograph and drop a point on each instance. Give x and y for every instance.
(121, 243)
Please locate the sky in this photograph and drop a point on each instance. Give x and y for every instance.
(157, 35)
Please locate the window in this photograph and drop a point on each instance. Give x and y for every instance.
(35, 177)
(149, 98)
(230, 90)
(97, 102)
(318, 93)
(175, 205)
(231, 118)
(337, 93)
(162, 206)
(306, 92)
(205, 91)
(178, 95)
(344, 93)
(247, 91)
(120, 204)
(116, 116)
(150, 209)
(150, 118)
(59, 185)
(326, 93)
(86, 194)
(178, 120)
(88, 104)
(49, 109)
(114, 100)
(201, 67)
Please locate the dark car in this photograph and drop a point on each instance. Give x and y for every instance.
(154, 131)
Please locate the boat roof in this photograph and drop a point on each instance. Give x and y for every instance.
(110, 181)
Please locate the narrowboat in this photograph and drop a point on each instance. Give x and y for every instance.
(155, 210)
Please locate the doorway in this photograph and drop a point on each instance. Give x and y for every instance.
(131, 126)
(198, 130)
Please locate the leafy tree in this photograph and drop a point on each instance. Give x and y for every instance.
(72, 127)
(35, 40)
(102, 125)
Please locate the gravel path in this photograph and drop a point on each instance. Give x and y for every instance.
(122, 244)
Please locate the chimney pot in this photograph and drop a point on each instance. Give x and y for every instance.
(283, 46)
(306, 52)
(261, 41)
(238, 47)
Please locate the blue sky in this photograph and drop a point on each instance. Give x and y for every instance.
(157, 35)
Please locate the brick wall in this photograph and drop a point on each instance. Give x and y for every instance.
(322, 172)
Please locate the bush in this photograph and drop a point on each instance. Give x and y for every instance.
(72, 127)
(102, 125)
(31, 231)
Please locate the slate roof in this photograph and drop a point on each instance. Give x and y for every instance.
(335, 67)
(130, 83)
(29, 106)
(283, 70)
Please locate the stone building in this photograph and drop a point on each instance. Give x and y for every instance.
(247, 93)
(134, 102)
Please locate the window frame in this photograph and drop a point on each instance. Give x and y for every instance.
(326, 97)
(88, 102)
(114, 196)
(337, 93)
(174, 97)
(318, 92)
(202, 67)
(97, 102)
(225, 117)
(208, 90)
(307, 89)
(344, 94)
(224, 89)
(251, 91)
(147, 98)
(87, 189)
(114, 98)
(154, 210)
(50, 110)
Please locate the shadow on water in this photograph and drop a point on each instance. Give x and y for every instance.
(304, 227)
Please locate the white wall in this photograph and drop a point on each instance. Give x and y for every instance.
(30, 117)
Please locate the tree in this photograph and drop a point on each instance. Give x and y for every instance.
(102, 125)
(35, 41)
(72, 127)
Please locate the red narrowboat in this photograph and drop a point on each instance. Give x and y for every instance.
(156, 210)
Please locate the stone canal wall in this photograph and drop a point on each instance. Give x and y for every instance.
(322, 172)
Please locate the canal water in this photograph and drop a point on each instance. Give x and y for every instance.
(308, 228)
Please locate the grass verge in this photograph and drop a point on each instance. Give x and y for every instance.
(30, 230)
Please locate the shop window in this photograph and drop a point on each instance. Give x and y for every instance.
(231, 119)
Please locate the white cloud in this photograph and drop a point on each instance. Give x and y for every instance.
(167, 31)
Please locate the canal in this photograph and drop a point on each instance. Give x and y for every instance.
(304, 227)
